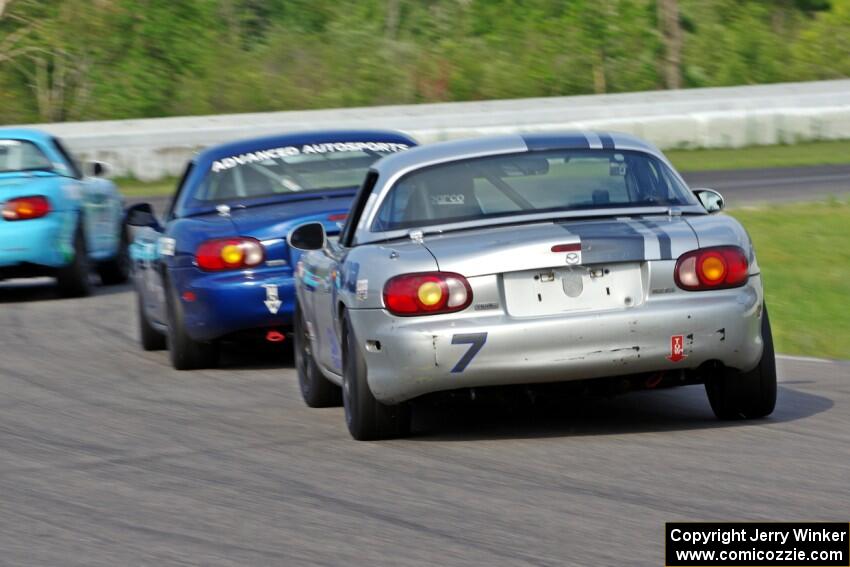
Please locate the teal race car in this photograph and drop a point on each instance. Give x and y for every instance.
(56, 218)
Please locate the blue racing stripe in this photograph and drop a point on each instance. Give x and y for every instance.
(607, 141)
(607, 241)
(663, 238)
(567, 141)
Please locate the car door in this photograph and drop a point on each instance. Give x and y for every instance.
(113, 220)
(150, 246)
(99, 216)
(147, 265)
(104, 217)
(329, 274)
(323, 277)
(95, 205)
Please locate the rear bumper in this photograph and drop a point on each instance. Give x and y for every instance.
(417, 355)
(231, 302)
(33, 247)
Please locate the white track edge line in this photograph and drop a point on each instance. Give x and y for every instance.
(810, 359)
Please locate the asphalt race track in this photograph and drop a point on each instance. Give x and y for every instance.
(109, 457)
(785, 184)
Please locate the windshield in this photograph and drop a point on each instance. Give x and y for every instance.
(21, 155)
(292, 169)
(531, 182)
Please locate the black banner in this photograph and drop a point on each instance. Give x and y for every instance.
(753, 544)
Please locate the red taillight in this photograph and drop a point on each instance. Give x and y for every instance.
(427, 293)
(229, 254)
(721, 267)
(25, 208)
(339, 217)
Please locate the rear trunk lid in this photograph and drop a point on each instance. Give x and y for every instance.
(581, 265)
(14, 185)
(271, 223)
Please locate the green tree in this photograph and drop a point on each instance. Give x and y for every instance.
(97, 59)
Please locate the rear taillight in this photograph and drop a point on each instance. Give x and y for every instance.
(428, 293)
(26, 208)
(721, 267)
(229, 254)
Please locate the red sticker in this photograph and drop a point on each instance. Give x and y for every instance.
(677, 348)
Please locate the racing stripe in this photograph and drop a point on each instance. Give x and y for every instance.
(666, 246)
(538, 142)
(594, 140)
(607, 141)
(651, 243)
(610, 241)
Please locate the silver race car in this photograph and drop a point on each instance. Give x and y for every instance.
(528, 260)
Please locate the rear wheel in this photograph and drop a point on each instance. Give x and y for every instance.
(185, 352)
(367, 418)
(746, 395)
(316, 390)
(150, 338)
(73, 279)
(117, 270)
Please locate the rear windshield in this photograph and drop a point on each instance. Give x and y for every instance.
(292, 169)
(530, 182)
(21, 155)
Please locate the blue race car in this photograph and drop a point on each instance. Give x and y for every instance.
(56, 220)
(218, 266)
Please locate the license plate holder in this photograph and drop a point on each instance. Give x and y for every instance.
(573, 288)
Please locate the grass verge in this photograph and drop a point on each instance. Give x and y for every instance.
(796, 155)
(134, 188)
(804, 254)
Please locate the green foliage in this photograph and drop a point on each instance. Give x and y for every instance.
(101, 59)
(823, 51)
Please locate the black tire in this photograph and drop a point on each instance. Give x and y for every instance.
(367, 418)
(150, 338)
(117, 270)
(317, 391)
(73, 280)
(185, 352)
(746, 395)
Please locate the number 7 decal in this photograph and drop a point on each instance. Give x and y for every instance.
(476, 340)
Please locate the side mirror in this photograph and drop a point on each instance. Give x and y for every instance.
(308, 236)
(710, 199)
(97, 169)
(141, 215)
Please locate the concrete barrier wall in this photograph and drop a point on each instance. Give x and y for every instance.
(697, 118)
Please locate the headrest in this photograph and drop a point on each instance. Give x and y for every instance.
(447, 193)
